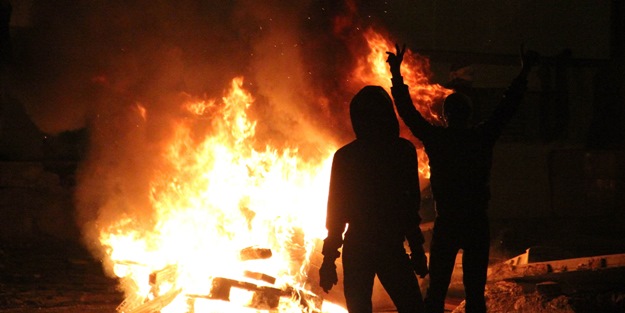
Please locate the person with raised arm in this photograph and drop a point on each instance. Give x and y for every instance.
(460, 157)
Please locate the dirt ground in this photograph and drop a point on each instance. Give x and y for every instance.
(53, 277)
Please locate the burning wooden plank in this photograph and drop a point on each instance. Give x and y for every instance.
(254, 253)
(166, 274)
(310, 302)
(156, 301)
(130, 303)
(263, 297)
(260, 276)
(151, 306)
(263, 294)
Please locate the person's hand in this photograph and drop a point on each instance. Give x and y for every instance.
(327, 275)
(394, 59)
(419, 263)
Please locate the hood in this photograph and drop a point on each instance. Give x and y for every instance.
(372, 114)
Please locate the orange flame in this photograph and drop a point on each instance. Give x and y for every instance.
(216, 198)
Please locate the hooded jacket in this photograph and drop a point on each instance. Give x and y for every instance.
(374, 184)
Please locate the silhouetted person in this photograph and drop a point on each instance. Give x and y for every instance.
(460, 162)
(374, 187)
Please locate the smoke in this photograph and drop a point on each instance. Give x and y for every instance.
(121, 69)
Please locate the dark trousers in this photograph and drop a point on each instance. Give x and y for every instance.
(449, 236)
(360, 265)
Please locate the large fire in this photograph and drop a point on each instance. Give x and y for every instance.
(234, 225)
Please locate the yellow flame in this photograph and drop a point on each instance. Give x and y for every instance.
(219, 196)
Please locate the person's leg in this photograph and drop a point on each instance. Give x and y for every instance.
(400, 282)
(443, 252)
(475, 266)
(358, 276)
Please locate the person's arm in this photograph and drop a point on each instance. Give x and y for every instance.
(335, 224)
(418, 259)
(406, 109)
(413, 231)
(512, 96)
(335, 221)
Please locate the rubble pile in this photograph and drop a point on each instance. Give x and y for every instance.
(532, 283)
(503, 297)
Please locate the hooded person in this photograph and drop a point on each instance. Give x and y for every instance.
(374, 191)
(460, 158)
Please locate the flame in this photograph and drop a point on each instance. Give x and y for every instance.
(223, 192)
(373, 70)
(214, 199)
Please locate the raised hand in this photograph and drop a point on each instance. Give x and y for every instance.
(394, 59)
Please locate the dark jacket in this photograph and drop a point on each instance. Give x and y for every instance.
(374, 184)
(460, 158)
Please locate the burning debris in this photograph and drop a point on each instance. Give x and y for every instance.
(156, 299)
(253, 290)
(262, 297)
(254, 253)
(136, 304)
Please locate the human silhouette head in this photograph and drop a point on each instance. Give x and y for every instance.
(457, 109)
(372, 114)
